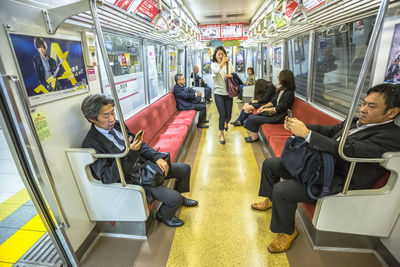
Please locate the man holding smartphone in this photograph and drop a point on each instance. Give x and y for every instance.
(105, 136)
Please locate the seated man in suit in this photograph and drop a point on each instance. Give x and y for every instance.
(199, 82)
(371, 134)
(105, 136)
(188, 99)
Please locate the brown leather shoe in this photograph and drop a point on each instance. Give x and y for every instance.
(263, 205)
(282, 242)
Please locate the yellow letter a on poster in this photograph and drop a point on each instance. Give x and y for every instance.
(57, 52)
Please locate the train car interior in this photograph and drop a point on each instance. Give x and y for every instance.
(139, 133)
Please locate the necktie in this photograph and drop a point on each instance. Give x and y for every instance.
(119, 141)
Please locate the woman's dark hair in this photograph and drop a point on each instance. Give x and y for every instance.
(286, 78)
(92, 105)
(390, 92)
(252, 70)
(263, 89)
(214, 57)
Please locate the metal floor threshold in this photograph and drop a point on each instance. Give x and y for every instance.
(42, 254)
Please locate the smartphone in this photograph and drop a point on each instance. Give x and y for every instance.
(139, 135)
(289, 113)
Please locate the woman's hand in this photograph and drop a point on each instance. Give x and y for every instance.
(229, 75)
(225, 59)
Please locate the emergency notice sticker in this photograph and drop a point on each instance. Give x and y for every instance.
(42, 127)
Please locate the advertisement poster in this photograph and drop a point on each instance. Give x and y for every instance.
(172, 61)
(124, 4)
(210, 31)
(392, 74)
(308, 4)
(231, 31)
(147, 9)
(278, 57)
(51, 68)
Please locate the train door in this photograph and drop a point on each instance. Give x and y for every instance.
(32, 222)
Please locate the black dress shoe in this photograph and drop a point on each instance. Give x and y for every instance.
(173, 222)
(236, 123)
(248, 139)
(200, 125)
(206, 121)
(187, 202)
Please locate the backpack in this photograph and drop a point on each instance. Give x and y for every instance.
(308, 166)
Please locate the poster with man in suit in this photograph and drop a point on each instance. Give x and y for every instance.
(392, 74)
(50, 68)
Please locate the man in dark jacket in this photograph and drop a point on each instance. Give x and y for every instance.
(105, 137)
(371, 135)
(188, 99)
(199, 82)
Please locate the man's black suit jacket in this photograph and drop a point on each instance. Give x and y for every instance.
(368, 143)
(105, 169)
(185, 97)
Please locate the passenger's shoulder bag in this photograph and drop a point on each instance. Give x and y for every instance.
(148, 173)
(307, 165)
(231, 86)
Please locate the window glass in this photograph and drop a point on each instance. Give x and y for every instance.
(155, 64)
(265, 63)
(124, 54)
(339, 56)
(298, 61)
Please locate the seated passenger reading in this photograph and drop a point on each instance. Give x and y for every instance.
(105, 136)
(371, 134)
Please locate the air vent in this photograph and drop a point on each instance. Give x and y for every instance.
(213, 16)
(234, 15)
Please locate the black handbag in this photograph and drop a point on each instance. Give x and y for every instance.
(148, 173)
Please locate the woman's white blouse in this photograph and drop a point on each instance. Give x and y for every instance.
(219, 77)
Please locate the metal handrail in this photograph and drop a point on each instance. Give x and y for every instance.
(303, 12)
(114, 93)
(61, 218)
(357, 93)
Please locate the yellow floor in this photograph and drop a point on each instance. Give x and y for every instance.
(22, 240)
(223, 230)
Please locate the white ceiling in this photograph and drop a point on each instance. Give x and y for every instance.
(243, 10)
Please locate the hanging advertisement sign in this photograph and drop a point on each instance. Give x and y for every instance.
(291, 5)
(124, 4)
(392, 74)
(147, 9)
(51, 68)
(223, 32)
(210, 31)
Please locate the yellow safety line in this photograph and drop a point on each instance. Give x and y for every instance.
(13, 203)
(223, 230)
(20, 242)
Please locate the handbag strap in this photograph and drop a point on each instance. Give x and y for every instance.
(227, 68)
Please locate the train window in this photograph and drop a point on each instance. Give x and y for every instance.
(298, 61)
(265, 63)
(181, 61)
(339, 56)
(206, 68)
(125, 57)
(155, 65)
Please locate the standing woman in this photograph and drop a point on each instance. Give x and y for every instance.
(222, 99)
(274, 111)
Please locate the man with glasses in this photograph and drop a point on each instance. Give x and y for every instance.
(188, 99)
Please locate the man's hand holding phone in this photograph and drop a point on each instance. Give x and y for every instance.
(137, 142)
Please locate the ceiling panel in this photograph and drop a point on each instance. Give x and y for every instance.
(223, 11)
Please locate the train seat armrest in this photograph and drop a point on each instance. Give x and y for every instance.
(105, 202)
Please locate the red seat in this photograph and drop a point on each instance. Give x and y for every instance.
(165, 128)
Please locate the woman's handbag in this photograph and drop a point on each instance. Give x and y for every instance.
(231, 86)
(148, 173)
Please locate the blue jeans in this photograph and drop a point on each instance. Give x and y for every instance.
(224, 106)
